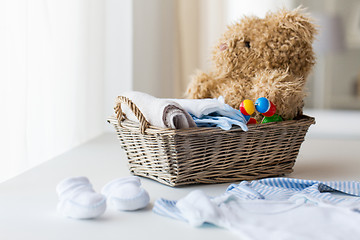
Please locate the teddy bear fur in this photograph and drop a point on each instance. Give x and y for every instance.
(261, 57)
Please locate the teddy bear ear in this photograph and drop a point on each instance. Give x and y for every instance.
(295, 20)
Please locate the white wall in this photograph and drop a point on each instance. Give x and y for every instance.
(236, 9)
(139, 53)
(118, 53)
(337, 69)
(154, 49)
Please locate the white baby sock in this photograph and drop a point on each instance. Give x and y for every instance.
(78, 199)
(126, 194)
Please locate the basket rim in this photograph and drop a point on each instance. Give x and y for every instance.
(303, 119)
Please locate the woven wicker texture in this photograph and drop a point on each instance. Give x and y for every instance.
(209, 155)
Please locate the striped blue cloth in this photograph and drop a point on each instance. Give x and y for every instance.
(331, 192)
(221, 115)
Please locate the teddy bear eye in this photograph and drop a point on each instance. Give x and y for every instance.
(247, 44)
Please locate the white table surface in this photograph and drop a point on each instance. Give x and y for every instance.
(28, 201)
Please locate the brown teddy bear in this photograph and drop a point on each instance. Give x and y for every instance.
(270, 57)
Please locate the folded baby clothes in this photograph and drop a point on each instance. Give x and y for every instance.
(184, 113)
(224, 123)
(162, 113)
(206, 106)
(126, 194)
(78, 199)
(276, 208)
(213, 113)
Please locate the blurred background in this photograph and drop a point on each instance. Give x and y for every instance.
(62, 63)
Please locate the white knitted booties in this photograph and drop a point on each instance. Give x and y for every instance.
(78, 199)
(126, 194)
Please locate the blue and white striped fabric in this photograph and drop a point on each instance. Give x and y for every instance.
(282, 189)
(219, 114)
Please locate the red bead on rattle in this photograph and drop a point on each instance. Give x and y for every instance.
(252, 121)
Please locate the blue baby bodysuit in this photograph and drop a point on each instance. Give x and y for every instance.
(275, 208)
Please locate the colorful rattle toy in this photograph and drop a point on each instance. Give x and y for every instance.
(265, 107)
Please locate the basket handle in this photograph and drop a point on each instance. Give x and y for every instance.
(144, 124)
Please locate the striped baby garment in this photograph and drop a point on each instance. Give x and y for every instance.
(275, 208)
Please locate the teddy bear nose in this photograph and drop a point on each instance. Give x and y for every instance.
(223, 46)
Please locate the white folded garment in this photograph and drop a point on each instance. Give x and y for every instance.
(270, 219)
(158, 112)
(201, 107)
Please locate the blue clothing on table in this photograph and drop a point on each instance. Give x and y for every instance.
(284, 188)
(278, 189)
(275, 208)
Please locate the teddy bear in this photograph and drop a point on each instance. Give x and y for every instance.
(261, 57)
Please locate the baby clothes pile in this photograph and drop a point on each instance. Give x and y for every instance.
(272, 208)
(184, 113)
(275, 208)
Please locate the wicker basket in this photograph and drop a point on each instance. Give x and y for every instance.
(208, 155)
